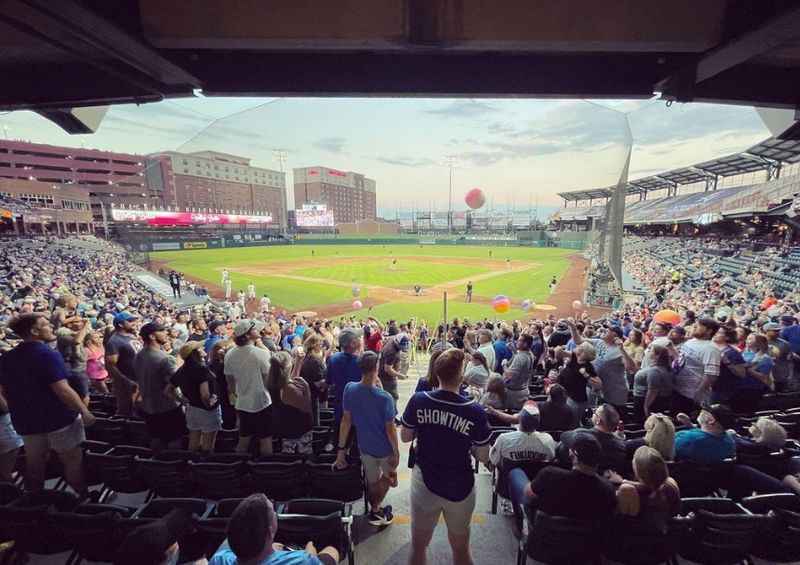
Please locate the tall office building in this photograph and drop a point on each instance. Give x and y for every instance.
(351, 196)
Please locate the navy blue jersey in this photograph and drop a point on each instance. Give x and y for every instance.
(447, 426)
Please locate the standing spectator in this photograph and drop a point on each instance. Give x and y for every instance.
(577, 375)
(783, 371)
(757, 380)
(69, 343)
(198, 384)
(291, 402)
(611, 364)
(44, 409)
(447, 427)
(698, 366)
(502, 351)
(95, 362)
(388, 368)
(198, 330)
(519, 372)
(246, 370)
(216, 362)
(343, 368)
(477, 372)
(252, 528)
(175, 284)
(371, 411)
(314, 371)
(373, 338)
(10, 442)
(217, 331)
(732, 366)
(652, 387)
(121, 350)
(709, 443)
(160, 407)
(181, 326)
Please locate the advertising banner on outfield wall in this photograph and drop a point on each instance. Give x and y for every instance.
(167, 218)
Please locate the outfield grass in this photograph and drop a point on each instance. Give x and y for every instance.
(293, 294)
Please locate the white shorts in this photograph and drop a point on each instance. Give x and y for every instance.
(426, 507)
(9, 438)
(60, 440)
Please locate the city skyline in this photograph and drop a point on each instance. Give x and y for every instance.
(520, 152)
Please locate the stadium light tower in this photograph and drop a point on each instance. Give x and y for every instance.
(452, 163)
(281, 155)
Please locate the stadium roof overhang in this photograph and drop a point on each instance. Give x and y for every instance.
(591, 194)
(737, 164)
(55, 56)
(782, 150)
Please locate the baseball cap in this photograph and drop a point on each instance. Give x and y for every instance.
(586, 448)
(147, 544)
(788, 320)
(189, 347)
(529, 417)
(245, 326)
(347, 337)
(124, 317)
(721, 413)
(404, 342)
(151, 328)
(771, 327)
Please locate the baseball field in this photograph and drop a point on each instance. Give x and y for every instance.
(322, 278)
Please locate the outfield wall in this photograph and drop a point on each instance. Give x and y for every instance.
(566, 240)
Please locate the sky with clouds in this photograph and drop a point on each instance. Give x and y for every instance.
(518, 151)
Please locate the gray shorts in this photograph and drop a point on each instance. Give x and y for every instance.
(375, 467)
(426, 507)
(9, 438)
(202, 420)
(63, 439)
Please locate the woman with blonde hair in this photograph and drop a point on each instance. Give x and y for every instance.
(654, 497)
(291, 402)
(660, 435)
(314, 371)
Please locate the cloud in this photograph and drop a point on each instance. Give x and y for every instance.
(406, 161)
(501, 128)
(331, 144)
(463, 109)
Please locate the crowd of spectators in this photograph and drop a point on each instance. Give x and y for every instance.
(76, 322)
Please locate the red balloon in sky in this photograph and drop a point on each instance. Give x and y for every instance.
(475, 198)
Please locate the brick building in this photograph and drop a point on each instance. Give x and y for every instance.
(43, 207)
(106, 176)
(210, 180)
(350, 195)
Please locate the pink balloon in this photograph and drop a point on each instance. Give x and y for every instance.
(475, 198)
(357, 305)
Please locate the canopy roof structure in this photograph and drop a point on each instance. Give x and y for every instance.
(73, 53)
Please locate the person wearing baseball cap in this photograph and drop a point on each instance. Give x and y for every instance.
(579, 493)
(162, 412)
(251, 531)
(121, 350)
(246, 368)
(699, 367)
(343, 368)
(526, 444)
(710, 442)
(155, 543)
(216, 332)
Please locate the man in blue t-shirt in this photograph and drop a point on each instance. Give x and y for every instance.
(45, 410)
(343, 368)
(710, 443)
(447, 427)
(502, 352)
(251, 530)
(371, 411)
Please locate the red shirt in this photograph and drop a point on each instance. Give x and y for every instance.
(373, 342)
